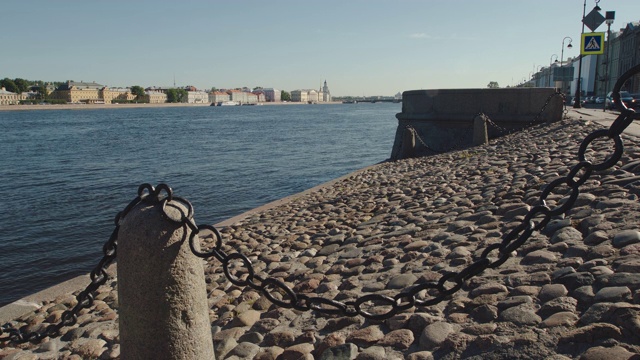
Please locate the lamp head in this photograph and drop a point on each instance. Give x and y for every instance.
(609, 17)
(569, 46)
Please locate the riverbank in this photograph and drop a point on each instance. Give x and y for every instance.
(125, 106)
(570, 292)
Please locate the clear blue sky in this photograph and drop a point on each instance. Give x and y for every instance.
(361, 47)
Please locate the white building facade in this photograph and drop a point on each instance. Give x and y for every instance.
(197, 97)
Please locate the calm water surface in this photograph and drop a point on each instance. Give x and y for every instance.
(66, 173)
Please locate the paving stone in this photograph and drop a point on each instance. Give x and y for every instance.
(608, 353)
(435, 334)
(613, 294)
(552, 291)
(626, 237)
(519, 316)
(340, 352)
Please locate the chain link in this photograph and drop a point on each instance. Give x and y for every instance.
(371, 306)
(534, 121)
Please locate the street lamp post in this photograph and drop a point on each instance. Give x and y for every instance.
(576, 104)
(569, 46)
(579, 86)
(550, 70)
(610, 16)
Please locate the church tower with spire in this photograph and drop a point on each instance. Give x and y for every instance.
(326, 95)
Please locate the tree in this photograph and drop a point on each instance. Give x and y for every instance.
(176, 95)
(44, 93)
(138, 91)
(285, 96)
(22, 84)
(493, 85)
(214, 89)
(9, 85)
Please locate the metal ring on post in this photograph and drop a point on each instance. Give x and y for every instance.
(166, 201)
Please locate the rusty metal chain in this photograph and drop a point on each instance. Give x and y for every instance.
(371, 306)
(383, 307)
(501, 130)
(534, 121)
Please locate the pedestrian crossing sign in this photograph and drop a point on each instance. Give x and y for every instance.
(592, 43)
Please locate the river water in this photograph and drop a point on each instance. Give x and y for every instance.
(66, 173)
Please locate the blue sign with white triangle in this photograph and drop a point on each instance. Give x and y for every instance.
(592, 44)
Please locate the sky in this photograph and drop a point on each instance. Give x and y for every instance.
(360, 47)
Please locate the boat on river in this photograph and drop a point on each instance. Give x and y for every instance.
(226, 103)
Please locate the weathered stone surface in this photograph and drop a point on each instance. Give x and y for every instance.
(244, 350)
(367, 336)
(340, 352)
(435, 334)
(295, 352)
(552, 291)
(563, 318)
(613, 294)
(608, 353)
(626, 237)
(401, 281)
(566, 234)
(398, 339)
(519, 316)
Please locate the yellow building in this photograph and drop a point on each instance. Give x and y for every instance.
(111, 94)
(79, 92)
(90, 93)
(156, 97)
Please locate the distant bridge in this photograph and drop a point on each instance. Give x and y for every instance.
(373, 100)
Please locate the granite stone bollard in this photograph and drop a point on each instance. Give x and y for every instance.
(161, 288)
(480, 134)
(408, 144)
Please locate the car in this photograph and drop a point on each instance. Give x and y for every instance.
(573, 101)
(600, 100)
(636, 101)
(626, 98)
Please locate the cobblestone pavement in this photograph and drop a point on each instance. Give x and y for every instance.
(570, 292)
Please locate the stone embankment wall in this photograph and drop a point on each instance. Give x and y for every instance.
(443, 119)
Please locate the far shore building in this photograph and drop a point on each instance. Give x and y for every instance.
(75, 92)
(238, 96)
(252, 98)
(90, 93)
(325, 94)
(311, 96)
(242, 97)
(8, 97)
(271, 95)
(218, 97)
(260, 95)
(305, 96)
(156, 97)
(111, 95)
(197, 96)
(299, 96)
